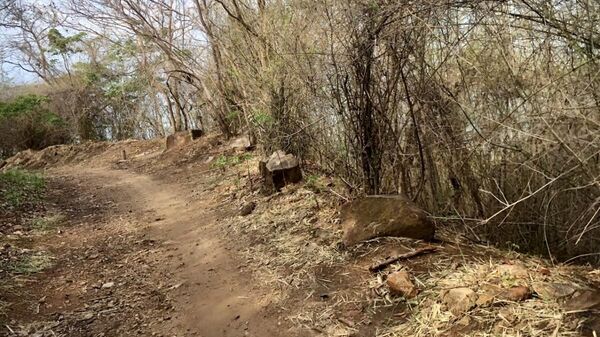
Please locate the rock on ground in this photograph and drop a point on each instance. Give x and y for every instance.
(242, 143)
(553, 291)
(459, 300)
(400, 283)
(516, 294)
(515, 271)
(247, 208)
(384, 215)
(584, 300)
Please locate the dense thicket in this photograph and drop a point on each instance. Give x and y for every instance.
(27, 123)
(485, 112)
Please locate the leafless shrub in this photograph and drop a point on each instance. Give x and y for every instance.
(485, 112)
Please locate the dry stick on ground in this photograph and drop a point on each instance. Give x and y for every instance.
(421, 251)
(346, 199)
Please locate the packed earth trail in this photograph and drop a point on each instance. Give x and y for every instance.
(200, 285)
(212, 297)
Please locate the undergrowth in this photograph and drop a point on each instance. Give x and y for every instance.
(18, 187)
(47, 223)
(226, 161)
(31, 264)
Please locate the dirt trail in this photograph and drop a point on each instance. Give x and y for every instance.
(212, 296)
(217, 299)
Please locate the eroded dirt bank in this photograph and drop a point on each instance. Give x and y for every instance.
(153, 245)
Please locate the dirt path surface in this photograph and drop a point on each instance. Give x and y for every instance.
(212, 297)
(158, 253)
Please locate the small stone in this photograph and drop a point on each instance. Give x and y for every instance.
(485, 299)
(465, 321)
(242, 143)
(248, 208)
(108, 285)
(507, 315)
(553, 291)
(182, 138)
(459, 300)
(88, 316)
(400, 283)
(516, 271)
(516, 294)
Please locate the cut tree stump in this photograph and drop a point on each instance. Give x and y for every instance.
(278, 170)
(182, 137)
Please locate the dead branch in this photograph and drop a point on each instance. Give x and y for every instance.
(382, 265)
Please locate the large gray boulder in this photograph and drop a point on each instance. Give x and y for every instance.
(279, 170)
(384, 215)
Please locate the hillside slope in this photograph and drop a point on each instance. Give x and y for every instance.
(152, 243)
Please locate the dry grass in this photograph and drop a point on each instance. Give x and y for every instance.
(47, 223)
(294, 250)
(534, 317)
(293, 236)
(289, 242)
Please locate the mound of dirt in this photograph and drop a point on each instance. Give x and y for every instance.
(91, 154)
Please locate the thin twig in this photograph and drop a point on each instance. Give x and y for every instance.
(514, 203)
(339, 195)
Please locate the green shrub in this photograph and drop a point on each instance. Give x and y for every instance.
(27, 123)
(263, 119)
(315, 183)
(225, 161)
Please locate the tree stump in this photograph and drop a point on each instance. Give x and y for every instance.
(278, 170)
(182, 137)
